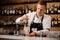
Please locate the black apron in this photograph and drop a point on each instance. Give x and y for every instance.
(39, 26)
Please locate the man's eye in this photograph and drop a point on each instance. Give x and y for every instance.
(37, 8)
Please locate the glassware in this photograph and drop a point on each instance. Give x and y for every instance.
(34, 29)
(41, 36)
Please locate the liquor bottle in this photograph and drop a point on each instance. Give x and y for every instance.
(56, 21)
(26, 9)
(19, 10)
(59, 22)
(55, 9)
(47, 11)
(52, 22)
(5, 10)
(2, 11)
(58, 9)
(13, 10)
(8, 11)
(52, 9)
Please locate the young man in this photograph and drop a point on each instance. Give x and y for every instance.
(38, 22)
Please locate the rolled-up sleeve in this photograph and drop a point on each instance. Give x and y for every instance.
(17, 21)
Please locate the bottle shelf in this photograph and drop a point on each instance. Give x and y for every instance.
(10, 14)
(10, 25)
(55, 26)
(21, 25)
(23, 14)
(52, 13)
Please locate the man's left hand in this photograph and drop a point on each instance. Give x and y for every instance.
(31, 34)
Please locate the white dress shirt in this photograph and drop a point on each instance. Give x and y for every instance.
(46, 23)
(37, 20)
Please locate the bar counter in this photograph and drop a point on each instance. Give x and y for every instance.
(20, 37)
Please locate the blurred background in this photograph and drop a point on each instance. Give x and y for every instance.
(10, 10)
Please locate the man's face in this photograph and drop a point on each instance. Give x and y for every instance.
(40, 8)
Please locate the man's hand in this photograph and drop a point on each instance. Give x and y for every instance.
(31, 34)
(24, 17)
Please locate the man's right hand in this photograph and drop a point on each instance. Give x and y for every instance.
(24, 17)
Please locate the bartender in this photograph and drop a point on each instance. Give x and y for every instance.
(36, 23)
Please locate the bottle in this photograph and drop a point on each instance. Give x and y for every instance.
(52, 22)
(52, 9)
(58, 22)
(47, 11)
(58, 9)
(8, 11)
(13, 10)
(19, 10)
(26, 9)
(2, 11)
(55, 9)
(5, 10)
